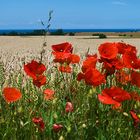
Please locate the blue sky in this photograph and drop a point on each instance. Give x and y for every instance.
(95, 14)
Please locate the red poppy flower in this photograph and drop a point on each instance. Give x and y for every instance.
(109, 68)
(80, 76)
(75, 59)
(114, 95)
(123, 77)
(69, 107)
(117, 63)
(48, 94)
(11, 94)
(66, 69)
(111, 65)
(90, 62)
(94, 77)
(135, 96)
(122, 47)
(135, 78)
(39, 80)
(137, 64)
(34, 68)
(131, 48)
(135, 118)
(108, 50)
(130, 60)
(63, 47)
(57, 127)
(62, 57)
(105, 99)
(39, 122)
(117, 94)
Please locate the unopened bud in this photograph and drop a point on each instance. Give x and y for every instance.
(84, 126)
(61, 138)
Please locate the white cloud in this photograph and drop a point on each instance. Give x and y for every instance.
(119, 3)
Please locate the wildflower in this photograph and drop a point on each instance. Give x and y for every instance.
(114, 95)
(94, 77)
(135, 78)
(109, 68)
(130, 60)
(117, 63)
(39, 122)
(57, 127)
(34, 69)
(63, 47)
(11, 94)
(80, 76)
(74, 59)
(62, 57)
(90, 62)
(48, 94)
(135, 118)
(105, 99)
(39, 80)
(69, 107)
(66, 69)
(117, 94)
(123, 77)
(135, 96)
(122, 47)
(108, 50)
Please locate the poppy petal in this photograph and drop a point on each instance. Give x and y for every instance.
(39, 81)
(34, 68)
(66, 69)
(108, 100)
(75, 59)
(63, 47)
(108, 50)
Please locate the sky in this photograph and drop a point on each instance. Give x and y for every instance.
(70, 14)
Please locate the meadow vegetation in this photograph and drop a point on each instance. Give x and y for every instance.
(92, 97)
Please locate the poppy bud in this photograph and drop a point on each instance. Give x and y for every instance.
(61, 138)
(69, 107)
(39, 122)
(57, 127)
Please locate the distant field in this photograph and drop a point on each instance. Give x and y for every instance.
(14, 44)
(113, 34)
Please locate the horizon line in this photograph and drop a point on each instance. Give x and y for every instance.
(72, 29)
